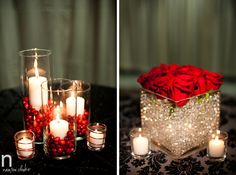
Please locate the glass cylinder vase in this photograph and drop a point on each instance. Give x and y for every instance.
(82, 107)
(35, 68)
(59, 118)
(180, 131)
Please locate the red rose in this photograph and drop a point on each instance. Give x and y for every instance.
(182, 88)
(180, 82)
(213, 81)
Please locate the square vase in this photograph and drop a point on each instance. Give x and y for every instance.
(180, 131)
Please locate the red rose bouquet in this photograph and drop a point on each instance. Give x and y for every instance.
(180, 82)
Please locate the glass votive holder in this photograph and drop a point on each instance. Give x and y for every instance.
(82, 90)
(217, 146)
(139, 143)
(96, 135)
(25, 146)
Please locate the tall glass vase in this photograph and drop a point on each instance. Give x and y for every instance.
(35, 68)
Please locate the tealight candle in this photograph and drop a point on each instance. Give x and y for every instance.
(96, 137)
(24, 141)
(96, 134)
(25, 147)
(139, 143)
(217, 146)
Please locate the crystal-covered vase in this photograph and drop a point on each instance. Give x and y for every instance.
(179, 131)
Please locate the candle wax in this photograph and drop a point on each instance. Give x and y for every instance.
(35, 91)
(216, 147)
(59, 128)
(140, 145)
(25, 147)
(70, 106)
(96, 137)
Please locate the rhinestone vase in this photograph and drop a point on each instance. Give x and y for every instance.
(180, 131)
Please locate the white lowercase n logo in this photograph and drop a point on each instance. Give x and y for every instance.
(9, 160)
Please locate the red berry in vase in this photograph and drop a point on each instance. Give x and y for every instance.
(57, 146)
(32, 120)
(82, 122)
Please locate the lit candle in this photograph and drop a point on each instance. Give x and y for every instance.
(35, 88)
(216, 147)
(25, 147)
(80, 105)
(140, 145)
(59, 127)
(96, 137)
(70, 105)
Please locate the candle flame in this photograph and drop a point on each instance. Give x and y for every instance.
(218, 132)
(190, 126)
(61, 104)
(57, 112)
(36, 66)
(139, 129)
(217, 138)
(72, 94)
(213, 136)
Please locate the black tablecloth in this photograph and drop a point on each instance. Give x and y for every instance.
(160, 163)
(103, 109)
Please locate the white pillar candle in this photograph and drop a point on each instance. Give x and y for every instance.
(35, 91)
(25, 147)
(140, 145)
(216, 147)
(70, 106)
(96, 137)
(59, 128)
(35, 97)
(80, 106)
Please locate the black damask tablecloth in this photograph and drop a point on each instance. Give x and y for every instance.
(103, 109)
(160, 163)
